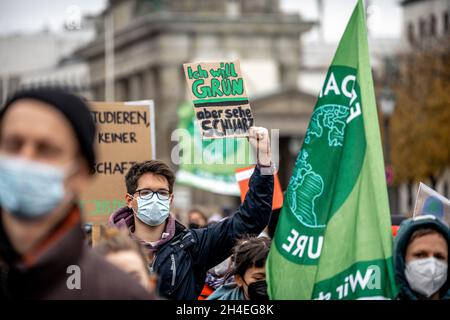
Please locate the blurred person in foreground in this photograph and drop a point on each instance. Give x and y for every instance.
(46, 152)
(421, 250)
(181, 256)
(127, 255)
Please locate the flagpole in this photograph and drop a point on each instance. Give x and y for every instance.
(109, 56)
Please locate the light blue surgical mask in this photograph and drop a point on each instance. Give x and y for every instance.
(30, 189)
(153, 211)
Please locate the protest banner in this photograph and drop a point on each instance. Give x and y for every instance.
(430, 202)
(221, 104)
(243, 176)
(125, 135)
(333, 239)
(209, 164)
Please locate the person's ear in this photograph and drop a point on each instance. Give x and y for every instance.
(129, 200)
(239, 281)
(81, 178)
(171, 199)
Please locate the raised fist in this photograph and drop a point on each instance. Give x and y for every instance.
(259, 139)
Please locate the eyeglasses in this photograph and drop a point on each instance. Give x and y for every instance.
(147, 194)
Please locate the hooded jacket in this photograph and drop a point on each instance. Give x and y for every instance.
(228, 291)
(181, 263)
(407, 228)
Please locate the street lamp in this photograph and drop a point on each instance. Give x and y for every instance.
(387, 107)
(387, 102)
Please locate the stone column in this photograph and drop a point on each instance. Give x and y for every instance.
(135, 87)
(121, 90)
(288, 56)
(170, 94)
(149, 84)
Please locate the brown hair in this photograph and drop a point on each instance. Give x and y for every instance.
(249, 252)
(423, 232)
(151, 166)
(114, 240)
(200, 212)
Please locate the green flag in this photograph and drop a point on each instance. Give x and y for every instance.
(333, 239)
(209, 164)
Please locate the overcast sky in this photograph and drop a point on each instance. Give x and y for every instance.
(385, 16)
(31, 16)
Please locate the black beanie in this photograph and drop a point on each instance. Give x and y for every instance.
(72, 107)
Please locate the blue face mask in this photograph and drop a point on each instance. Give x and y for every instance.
(30, 189)
(153, 211)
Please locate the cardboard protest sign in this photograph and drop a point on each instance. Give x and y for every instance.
(243, 178)
(220, 100)
(430, 202)
(209, 164)
(125, 135)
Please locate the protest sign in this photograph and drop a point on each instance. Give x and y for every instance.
(125, 135)
(243, 176)
(209, 164)
(221, 104)
(430, 202)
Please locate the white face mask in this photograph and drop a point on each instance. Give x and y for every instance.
(426, 276)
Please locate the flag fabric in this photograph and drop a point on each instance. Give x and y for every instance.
(430, 202)
(208, 164)
(333, 239)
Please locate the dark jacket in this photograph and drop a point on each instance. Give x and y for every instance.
(182, 262)
(45, 274)
(405, 231)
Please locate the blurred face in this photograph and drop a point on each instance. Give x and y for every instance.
(32, 130)
(148, 181)
(427, 246)
(251, 275)
(197, 218)
(131, 263)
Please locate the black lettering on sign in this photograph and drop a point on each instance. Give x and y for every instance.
(109, 168)
(120, 117)
(117, 137)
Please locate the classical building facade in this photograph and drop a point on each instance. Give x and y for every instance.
(425, 20)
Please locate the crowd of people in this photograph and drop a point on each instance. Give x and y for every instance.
(46, 154)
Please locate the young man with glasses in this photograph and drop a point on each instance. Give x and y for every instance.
(180, 256)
